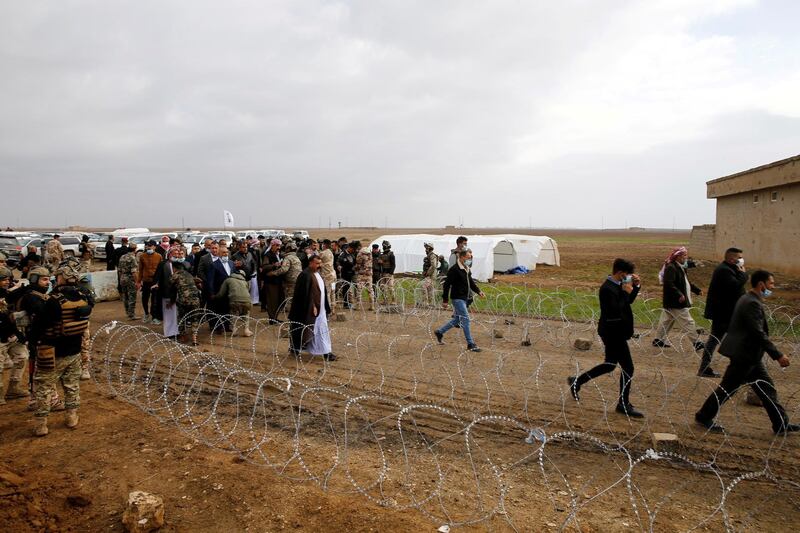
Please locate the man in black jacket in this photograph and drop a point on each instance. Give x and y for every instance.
(615, 327)
(345, 266)
(460, 287)
(677, 300)
(745, 344)
(273, 282)
(111, 263)
(727, 286)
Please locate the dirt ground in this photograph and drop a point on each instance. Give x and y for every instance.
(119, 447)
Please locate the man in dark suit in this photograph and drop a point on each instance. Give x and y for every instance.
(727, 286)
(615, 327)
(745, 344)
(273, 281)
(218, 271)
(110, 263)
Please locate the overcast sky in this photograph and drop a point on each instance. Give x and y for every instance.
(411, 113)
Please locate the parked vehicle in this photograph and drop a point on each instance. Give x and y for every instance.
(300, 235)
(15, 244)
(69, 242)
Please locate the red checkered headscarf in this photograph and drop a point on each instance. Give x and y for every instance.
(671, 258)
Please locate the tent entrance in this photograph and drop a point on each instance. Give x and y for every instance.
(505, 256)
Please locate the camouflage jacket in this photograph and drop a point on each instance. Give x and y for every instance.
(430, 265)
(364, 264)
(128, 267)
(186, 292)
(293, 268)
(54, 251)
(327, 271)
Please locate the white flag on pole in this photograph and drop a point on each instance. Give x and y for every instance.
(228, 216)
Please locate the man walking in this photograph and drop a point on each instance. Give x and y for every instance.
(54, 252)
(727, 286)
(460, 287)
(745, 344)
(677, 300)
(615, 328)
(273, 280)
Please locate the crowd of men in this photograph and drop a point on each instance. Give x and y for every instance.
(47, 323)
(739, 327)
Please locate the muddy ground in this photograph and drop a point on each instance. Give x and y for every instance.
(493, 477)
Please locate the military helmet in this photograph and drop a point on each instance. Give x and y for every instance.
(68, 270)
(386, 245)
(38, 272)
(5, 273)
(291, 246)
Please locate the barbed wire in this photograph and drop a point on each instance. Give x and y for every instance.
(491, 438)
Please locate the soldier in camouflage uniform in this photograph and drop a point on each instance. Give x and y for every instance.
(85, 285)
(86, 253)
(386, 266)
(58, 330)
(430, 267)
(128, 272)
(290, 268)
(186, 296)
(12, 344)
(363, 275)
(328, 272)
(54, 253)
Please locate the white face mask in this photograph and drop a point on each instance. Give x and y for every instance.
(740, 262)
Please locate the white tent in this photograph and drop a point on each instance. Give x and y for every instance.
(491, 253)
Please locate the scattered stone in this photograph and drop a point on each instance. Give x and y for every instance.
(666, 442)
(497, 334)
(583, 344)
(144, 513)
(78, 500)
(340, 317)
(509, 322)
(752, 399)
(187, 447)
(238, 459)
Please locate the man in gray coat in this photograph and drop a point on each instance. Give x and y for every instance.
(745, 344)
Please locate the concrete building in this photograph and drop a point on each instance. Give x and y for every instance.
(758, 210)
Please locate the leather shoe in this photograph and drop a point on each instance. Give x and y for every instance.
(329, 357)
(708, 372)
(788, 428)
(439, 337)
(658, 343)
(629, 410)
(710, 425)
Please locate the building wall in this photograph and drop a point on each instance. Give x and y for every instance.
(703, 243)
(768, 231)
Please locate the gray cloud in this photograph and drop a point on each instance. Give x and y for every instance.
(287, 113)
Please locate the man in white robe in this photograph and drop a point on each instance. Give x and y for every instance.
(309, 314)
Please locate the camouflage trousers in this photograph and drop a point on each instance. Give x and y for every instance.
(67, 370)
(186, 320)
(13, 355)
(128, 295)
(288, 291)
(86, 356)
(358, 290)
(386, 288)
(429, 291)
(86, 266)
(330, 294)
